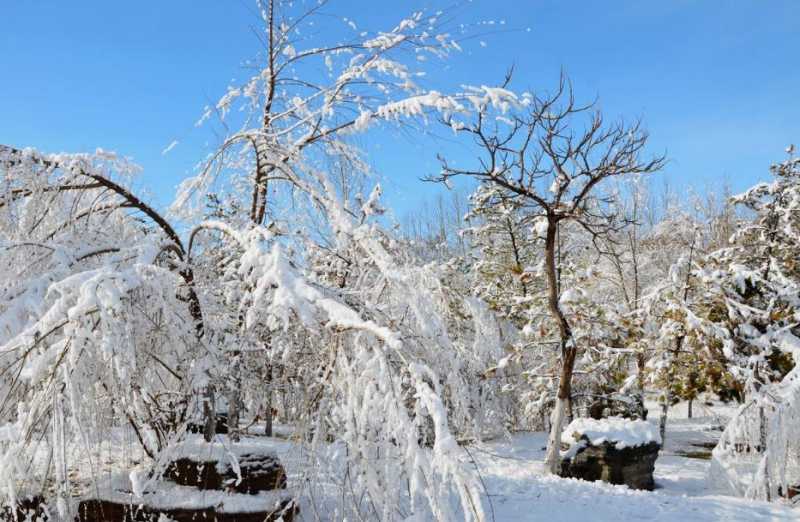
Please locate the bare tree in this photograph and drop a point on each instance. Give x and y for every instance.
(539, 154)
(437, 225)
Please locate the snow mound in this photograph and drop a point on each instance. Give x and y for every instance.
(624, 433)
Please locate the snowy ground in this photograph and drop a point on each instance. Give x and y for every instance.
(519, 490)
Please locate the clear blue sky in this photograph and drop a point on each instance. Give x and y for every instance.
(716, 82)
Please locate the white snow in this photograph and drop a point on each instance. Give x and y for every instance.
(166, 495)
(624, 433)
(168, 148)
(540, 226)
(196, 449)
(519, 490)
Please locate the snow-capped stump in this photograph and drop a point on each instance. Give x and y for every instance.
(614, 450)
(245, 467)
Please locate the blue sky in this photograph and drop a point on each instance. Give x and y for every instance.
(716, 82)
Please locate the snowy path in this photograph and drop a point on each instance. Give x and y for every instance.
(520, 491)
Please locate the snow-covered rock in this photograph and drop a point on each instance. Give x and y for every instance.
(614, 450)
(182, 503)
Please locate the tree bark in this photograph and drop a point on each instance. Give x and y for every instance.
(568, 350)
(570, 411)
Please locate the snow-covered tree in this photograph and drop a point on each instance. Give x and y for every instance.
(756, 282)
(100, 316)
(506, 254)
(121, 318)
(535, 150)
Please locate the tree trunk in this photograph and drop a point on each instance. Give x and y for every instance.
(689, 408)
(667, 395)
(762, 448)
(640, 365)
(570, 411)
(235, 397)
(553, 456)
(268, 403)
(662, 422)
(568, 350)
(209, 414)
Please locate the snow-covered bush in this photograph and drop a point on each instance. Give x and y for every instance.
(757, 285)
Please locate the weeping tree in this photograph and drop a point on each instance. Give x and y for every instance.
(110, 314)
(551, 155)
(99, 314)
(294, 114)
